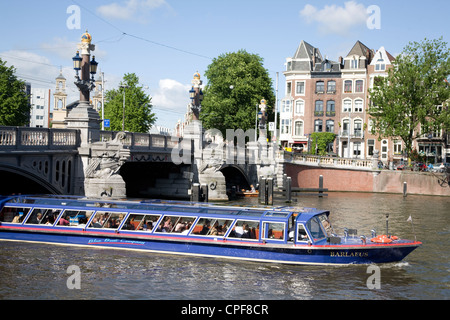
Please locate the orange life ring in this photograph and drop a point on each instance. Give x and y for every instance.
(381, 239)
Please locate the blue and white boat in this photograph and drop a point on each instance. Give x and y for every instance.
(279, 235)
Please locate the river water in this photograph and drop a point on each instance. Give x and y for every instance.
(40, 271)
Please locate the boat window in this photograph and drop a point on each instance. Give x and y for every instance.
(107, 220)
(274, 230)
(142, 222)
(43, 216)
(323, 218)
(13, 214)
(277, 214)
(212, 227)
(175, 224)
(315, 228)
(75, 218)
(245, 229)
(302, 236)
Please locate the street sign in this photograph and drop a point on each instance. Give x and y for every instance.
(106, 123)
(272, 126)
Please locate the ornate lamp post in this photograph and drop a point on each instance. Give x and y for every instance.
(83, 117)
(82, 63)
(196, 96)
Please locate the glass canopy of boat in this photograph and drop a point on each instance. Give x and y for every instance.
(153, 205)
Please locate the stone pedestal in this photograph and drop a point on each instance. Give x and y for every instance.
(102, 178)
(112, 188)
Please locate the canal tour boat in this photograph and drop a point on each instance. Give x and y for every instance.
(287, 235)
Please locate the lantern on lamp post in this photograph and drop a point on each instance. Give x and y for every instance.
(84, 67)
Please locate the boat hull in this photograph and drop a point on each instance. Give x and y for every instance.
(219, 248)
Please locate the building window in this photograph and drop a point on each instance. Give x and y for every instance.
(299, 128)
(331, 86)
(348, 86)
(359, 86)
(357, 149)
(300, 107)
(329, 126)
(354, 64)
(300, 87)
(288, 88)
(318, 126)
(286, 106)
(285, 126)
(358, 105)
(357, 128)
(331, 112)
(320, 87)
(371, 147)
(397, 147)
(318, 111)
(347, 105)
(345, 127)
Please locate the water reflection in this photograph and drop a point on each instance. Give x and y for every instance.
(39, 271)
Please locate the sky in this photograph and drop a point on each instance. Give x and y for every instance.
(164, 42)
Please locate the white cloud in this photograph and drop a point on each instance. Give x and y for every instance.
(173, 97)
(333, 19)
(130, 9)
(171, 94)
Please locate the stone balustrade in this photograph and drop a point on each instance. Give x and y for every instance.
(23, 138)
(324, 161)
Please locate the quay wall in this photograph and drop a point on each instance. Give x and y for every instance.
(378, 181)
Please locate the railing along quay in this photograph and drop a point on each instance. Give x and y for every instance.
(324, 161)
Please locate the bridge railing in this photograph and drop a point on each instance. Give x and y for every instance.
(24, 138)
(324, 161)
(142, 141)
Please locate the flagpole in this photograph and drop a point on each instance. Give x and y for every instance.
(412, 225)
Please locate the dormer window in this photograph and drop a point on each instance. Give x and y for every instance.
(354, 64)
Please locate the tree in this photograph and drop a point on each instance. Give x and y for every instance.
(138, 108)
(236, 84)
(321, 140)
(411, 101)
(14, 102)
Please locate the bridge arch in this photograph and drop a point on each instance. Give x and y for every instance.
(17, 180)
(235, 176)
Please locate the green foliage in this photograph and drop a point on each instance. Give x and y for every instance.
(322, 140)
(138, 108)
(409, 97)
(14, 106)
(236, 84)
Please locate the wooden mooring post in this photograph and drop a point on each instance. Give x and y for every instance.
(267, 193)
(312, 191)
(199, 193)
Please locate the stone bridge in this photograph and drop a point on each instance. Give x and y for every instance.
(124, 164)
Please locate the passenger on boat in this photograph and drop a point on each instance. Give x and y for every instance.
(186, 229)
(16, 219)
(148, 226)
(180, 226)
(95, 223)
(63, 222)
(214, 230)
(167, 225)
(205, 229)
(246, 231)
(82, 222)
